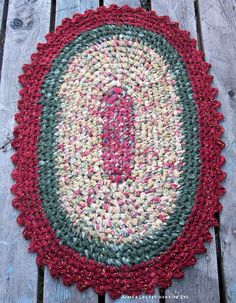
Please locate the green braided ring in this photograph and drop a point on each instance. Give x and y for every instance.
(154, 242)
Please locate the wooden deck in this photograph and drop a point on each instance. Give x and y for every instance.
(23, 24)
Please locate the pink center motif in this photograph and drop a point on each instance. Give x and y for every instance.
(118, 136)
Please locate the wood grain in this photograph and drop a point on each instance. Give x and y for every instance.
(18, 270)
(180, 11)
(218, 21)
(131, 3)
(67, 8)
(54, 290)
(201, 281)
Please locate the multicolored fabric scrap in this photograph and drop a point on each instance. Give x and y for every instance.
(118, 164)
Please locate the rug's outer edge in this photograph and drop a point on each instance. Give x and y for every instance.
(116, 287)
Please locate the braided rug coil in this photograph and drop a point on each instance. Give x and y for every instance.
(118, 164)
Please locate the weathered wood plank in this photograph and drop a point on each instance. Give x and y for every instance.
(201, 281)
(26, 25)
(131, 3)
(143, 298)
(54, 290)
(180, 11)
(218, 22)
(67, 8)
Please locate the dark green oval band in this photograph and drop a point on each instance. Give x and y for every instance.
(155, 243)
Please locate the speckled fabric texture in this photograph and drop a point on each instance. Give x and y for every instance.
(118, 164)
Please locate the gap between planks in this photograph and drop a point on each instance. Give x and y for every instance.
(3, 24)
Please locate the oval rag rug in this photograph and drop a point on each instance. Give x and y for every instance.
(118, 164)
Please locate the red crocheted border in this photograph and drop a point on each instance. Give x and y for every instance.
(63, 261)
